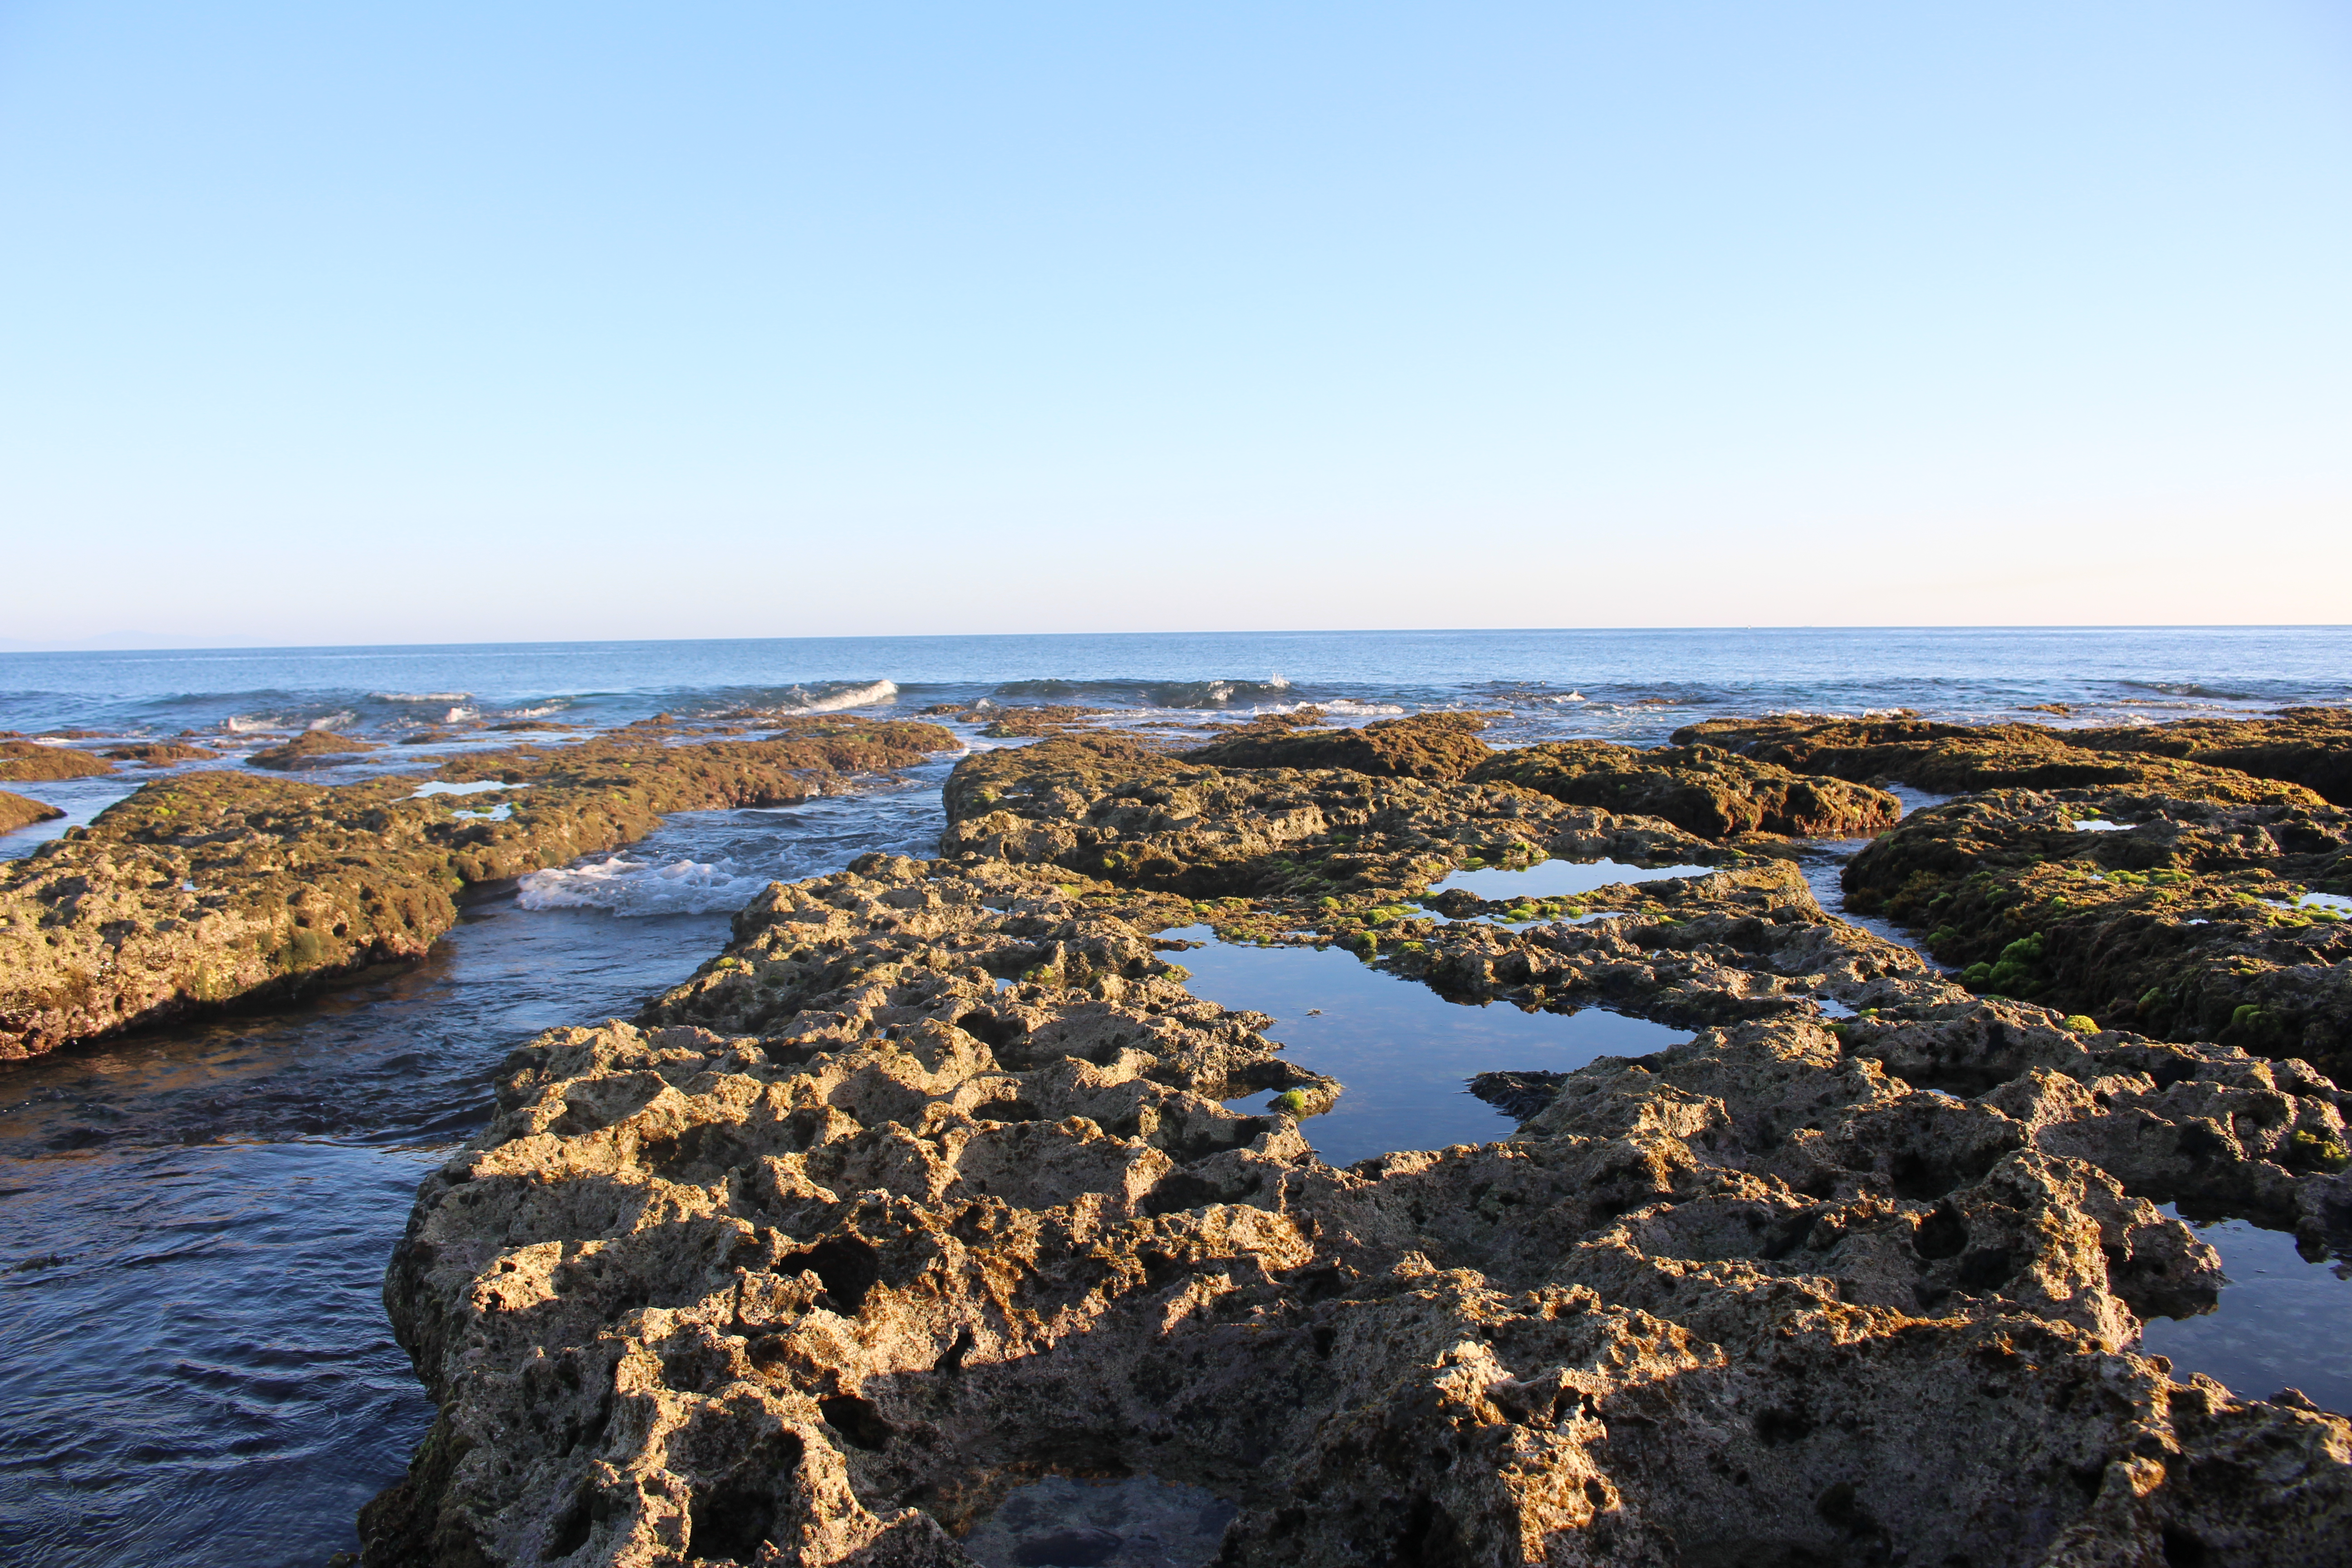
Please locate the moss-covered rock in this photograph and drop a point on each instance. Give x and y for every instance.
(310, 749)
(161, 753)
(215, 886)
(25, 761)
(1952, 759)
(1702, 789)
(2183, 921)
(22, 811)
(1435, 746)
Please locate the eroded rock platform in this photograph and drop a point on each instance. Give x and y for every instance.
(924, 1190)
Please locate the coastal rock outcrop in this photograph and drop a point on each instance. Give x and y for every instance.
(209, 887)
(311, 749)
(1700, 789)
(2183, 918)
(1441, 746)
(159, 753)
(1953, 759)
(25, 761)
(22, 811)
(926, 1189)
(1110, 808)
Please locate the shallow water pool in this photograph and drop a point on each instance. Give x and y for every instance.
(1403, 1052)
(1562, 879)
(2281, 1322)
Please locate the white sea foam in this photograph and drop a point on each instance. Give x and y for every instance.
(477, 786)
(330, 721)
(1346, 708)
(422, 696)
(627, 887)
(866, 696)
(252, 724)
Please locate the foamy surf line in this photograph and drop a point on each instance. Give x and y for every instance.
(635, 888)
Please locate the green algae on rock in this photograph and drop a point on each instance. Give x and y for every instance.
(22, 811)
(1701, 789)
(2182, 921)
(218, 886)
(23, 761)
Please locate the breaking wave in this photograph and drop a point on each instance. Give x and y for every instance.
(627, 887)
(1153, 693)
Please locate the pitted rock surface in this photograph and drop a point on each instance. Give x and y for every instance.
(1112, 809)
(923, 1189)
(2183, 920)
(1704, 790)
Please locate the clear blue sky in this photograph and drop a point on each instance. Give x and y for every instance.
(422, 322)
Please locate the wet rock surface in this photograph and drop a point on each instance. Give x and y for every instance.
(212, 887)
(159, 753)
(21, 811)
(311, 749)
(1953, 759)
(921, 1194)
(29, 760)
(1700, 789)
(1112, 808)
(2182, 918)
(1437, 746)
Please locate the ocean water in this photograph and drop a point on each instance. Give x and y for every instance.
(193, 1221)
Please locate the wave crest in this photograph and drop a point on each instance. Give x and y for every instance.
(638, 888)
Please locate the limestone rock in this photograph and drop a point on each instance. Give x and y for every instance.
(1112, 808)
(924, 1189)
(1700, 789)
(2183, 920)
(22, 811)
(209, 887)
(1955, 758)
(29, 760)
(311, 749)
(1440, 746)
(159, 753)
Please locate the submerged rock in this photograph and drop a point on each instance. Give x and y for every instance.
(22, 811)
(1701, 789)
(29, 760)
(212, 887)
(924, 1190)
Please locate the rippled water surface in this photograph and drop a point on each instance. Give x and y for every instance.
(194, 1223)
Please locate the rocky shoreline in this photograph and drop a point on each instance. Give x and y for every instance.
(926, 1188)
(210, 888)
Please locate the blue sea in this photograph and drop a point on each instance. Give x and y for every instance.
(194, 1222)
